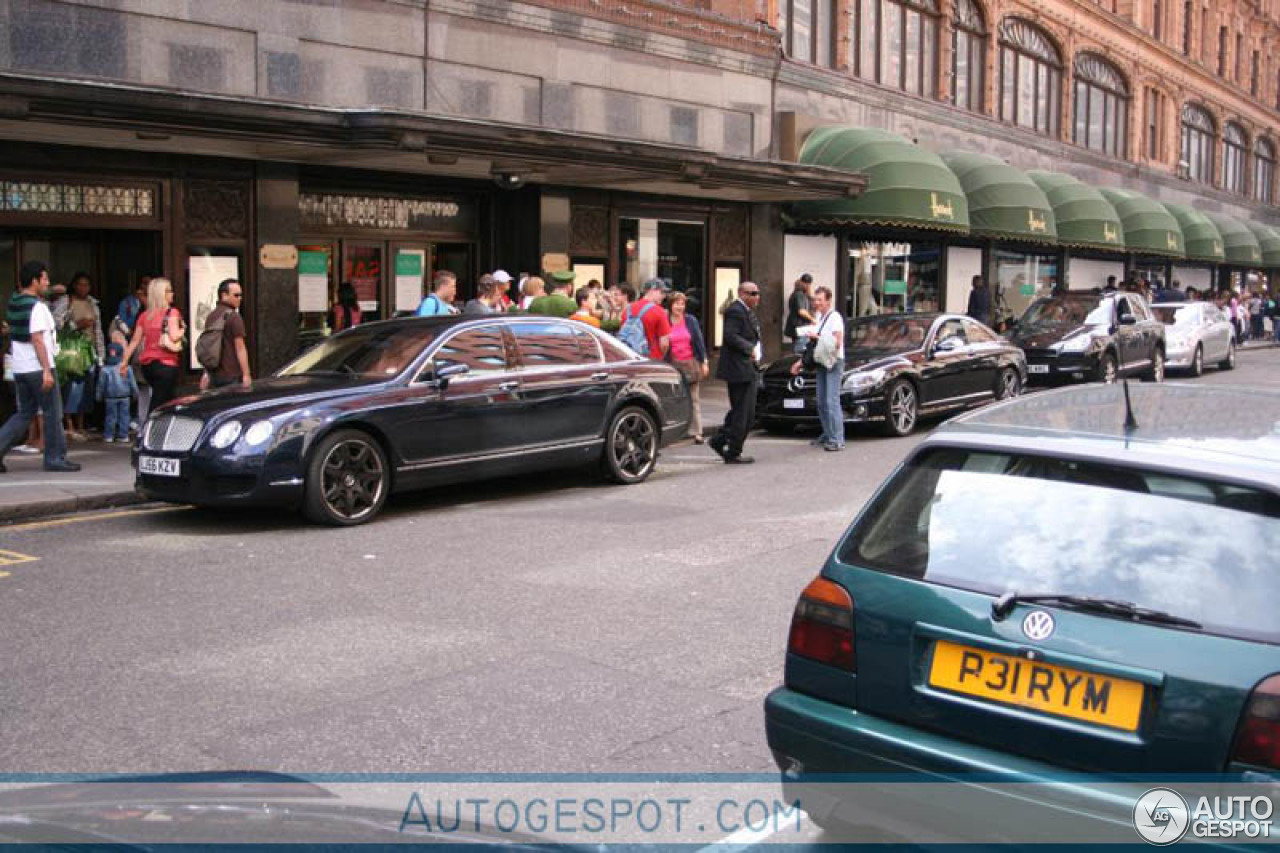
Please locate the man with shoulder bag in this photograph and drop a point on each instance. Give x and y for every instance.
(824, 355)
(221, 348)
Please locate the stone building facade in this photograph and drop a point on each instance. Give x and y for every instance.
(385, 139)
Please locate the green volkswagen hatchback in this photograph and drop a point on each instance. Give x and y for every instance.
(1042, 593)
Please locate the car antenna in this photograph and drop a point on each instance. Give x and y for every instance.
(1130, 422)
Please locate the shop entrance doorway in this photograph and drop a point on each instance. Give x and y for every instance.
(671, 250)
(114, 260)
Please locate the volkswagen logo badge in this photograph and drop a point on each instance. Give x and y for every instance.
(796, 383)
(1038, 625)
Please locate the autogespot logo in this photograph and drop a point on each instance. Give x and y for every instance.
(1161, 816)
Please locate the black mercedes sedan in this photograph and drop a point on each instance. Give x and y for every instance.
(898, 368)
(415, 402)
(1096, 337)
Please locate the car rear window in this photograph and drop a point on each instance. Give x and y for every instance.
(996, 522)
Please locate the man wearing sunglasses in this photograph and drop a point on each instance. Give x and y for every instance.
(739, 355)
(221, 348)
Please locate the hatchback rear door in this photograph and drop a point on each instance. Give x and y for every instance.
(1064, 684)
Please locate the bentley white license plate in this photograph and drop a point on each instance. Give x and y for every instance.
(1037, 368)
(793, 404)
(158, 467)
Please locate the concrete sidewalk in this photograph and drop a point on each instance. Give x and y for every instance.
(105, 479)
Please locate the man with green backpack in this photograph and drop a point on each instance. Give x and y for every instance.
(33, 350)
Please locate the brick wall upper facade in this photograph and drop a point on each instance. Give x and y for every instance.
(1150, 59)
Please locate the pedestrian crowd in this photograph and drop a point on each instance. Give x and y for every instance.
(66, 371)
(63, 364)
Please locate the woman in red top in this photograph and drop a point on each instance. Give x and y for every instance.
(689, 355)
(346, 312)
(160, 365)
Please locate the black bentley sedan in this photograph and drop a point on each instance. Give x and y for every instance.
(898, 368)
(1096, 337)
(402, 404)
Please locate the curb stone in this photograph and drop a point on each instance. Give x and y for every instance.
(69, 506)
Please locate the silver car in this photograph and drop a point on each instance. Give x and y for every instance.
(1196, 333)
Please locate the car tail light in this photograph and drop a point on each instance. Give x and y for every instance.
(1258, 738)
(822, 626)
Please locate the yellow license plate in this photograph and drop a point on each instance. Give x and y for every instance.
(1058, 690)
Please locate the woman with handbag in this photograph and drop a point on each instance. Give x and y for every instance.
(159, 333)
(82, 326)
(688, 354)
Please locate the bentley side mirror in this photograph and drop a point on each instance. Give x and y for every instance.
(442, 375)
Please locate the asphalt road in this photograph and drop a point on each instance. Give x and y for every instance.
(551, 624)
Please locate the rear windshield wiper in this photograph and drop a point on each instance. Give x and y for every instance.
(1003, 606)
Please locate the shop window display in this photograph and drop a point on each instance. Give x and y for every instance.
(892, 278)
(1020, 279)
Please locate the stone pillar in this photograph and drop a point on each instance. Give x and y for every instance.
(276, 300)
(766, 270)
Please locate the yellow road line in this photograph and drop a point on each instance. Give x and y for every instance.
(12, 558)
(80, 519)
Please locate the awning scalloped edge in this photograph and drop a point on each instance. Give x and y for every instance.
(880, 223)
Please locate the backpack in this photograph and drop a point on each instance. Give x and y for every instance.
(209, 344)
(632, 332)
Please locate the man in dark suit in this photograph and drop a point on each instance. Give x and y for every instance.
(738, 356)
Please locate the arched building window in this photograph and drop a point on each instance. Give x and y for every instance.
(969, 56)
(1198, 132)
(1235, 148)
(1030, 77)
(1264, 171)
(895, 43)
(1101, 105)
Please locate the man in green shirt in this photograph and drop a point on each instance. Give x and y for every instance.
(559, 302)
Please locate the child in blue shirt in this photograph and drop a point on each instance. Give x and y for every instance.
(116, 391)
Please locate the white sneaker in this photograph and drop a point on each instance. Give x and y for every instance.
(108, 440)
(26, 448)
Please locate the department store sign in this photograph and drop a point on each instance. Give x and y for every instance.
(385, 213)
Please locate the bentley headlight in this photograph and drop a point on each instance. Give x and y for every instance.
(226, 435)
(863, 380)
(258, 433)
(1079, 343)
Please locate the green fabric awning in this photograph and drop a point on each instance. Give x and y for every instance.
(1149, 229)
(1003, 202)
(1200, 235)
(1268, 241)
(1238, 242)
(907, 186)
(1085, 219)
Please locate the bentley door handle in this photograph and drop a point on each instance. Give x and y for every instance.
(598, 377)
(508, 386)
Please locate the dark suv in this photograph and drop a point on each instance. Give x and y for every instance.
(1093, 336)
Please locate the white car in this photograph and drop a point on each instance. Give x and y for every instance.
(1196, 333)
